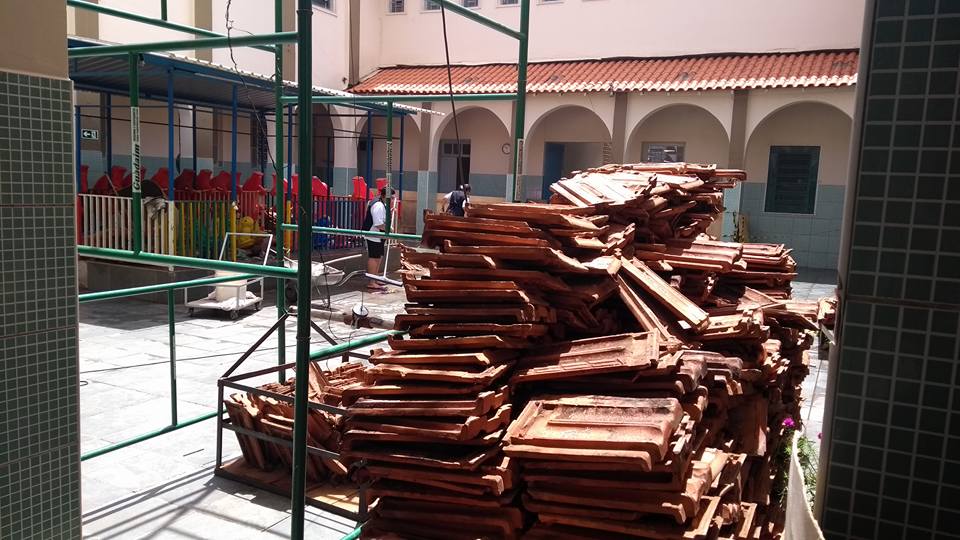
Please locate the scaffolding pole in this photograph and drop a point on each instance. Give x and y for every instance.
(304, 263)
(280, 196)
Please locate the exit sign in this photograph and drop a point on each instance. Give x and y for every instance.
(90, 134)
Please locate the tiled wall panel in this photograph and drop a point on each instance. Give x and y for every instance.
(894, 451)
(39, 450)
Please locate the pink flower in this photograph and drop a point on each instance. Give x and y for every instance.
(788, 423)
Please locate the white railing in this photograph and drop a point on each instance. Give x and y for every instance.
(106, 222)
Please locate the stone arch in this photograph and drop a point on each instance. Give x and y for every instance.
(578, 139)
(486, 166)
(802, 123)
(411, 147)
(324, 131)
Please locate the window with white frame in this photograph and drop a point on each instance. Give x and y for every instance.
(431, 5)
(325, 4)
(509, 2)
(395, 6)
(471, 3)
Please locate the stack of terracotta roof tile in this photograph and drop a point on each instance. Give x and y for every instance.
(428, 421)
(273, 417)
(650, 369)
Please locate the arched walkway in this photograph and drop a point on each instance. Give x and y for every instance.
(679, 133)
(323, 144)
(376, 166)
(564, 139)
(483, 161)
(797, 165)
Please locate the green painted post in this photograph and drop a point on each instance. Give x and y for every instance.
(189, 262)
(163, 10)
(135, 151)
(305, 245)
(146, 436)
(171, 322)
(159, 287)
(520, 115)
(279, 206)
(389, 206)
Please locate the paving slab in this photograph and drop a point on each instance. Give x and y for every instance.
(164, 487)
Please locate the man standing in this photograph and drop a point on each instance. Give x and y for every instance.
(374, 221)
(457, 200)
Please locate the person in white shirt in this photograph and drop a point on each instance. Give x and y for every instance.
(375, 220)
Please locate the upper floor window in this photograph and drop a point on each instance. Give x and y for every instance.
(396, 6)
(509, 2)
(433, 5)
(325, 4)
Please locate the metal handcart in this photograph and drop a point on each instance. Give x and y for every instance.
(232, 296)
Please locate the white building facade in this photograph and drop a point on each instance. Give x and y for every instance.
(753, 84)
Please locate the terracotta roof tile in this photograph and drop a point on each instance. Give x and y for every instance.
(717, 72)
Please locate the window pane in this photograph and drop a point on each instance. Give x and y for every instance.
(325, 4)
(792, 179)
(509, 2)
(664, 153)
(430, 5)
(396, 6)
(471, 3)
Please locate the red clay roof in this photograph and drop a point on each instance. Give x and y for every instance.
(719, 72)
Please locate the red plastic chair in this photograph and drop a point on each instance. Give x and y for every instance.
(359, 188)
(204, 181)
(184, 180)
(273, 188)
(221, 182)
(161, 179)
(254, 183)
(116, 175)
(320, 188)
(84, 171)
(128, 179)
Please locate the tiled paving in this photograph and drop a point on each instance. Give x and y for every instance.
(164, 487)
(811, 285)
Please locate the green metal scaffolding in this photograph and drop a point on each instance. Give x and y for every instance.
(207, 39)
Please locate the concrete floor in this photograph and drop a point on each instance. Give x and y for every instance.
(164, 487)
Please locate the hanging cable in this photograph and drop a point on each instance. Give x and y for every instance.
(453, 104)
(261, 127)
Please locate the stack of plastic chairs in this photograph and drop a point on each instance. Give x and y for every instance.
(160, 181)
(252, 197)
(221, 182)
(359, 188)
(84, 171)
(183, 183)
(204, 181)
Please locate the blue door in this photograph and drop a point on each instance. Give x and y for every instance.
(552, 166)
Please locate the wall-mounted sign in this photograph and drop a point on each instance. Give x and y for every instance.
(90, 134)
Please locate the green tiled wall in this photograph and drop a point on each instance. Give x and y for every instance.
(815, 238)
(894, 441)
(39, 450)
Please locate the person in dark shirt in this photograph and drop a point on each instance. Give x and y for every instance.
(456, 202)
